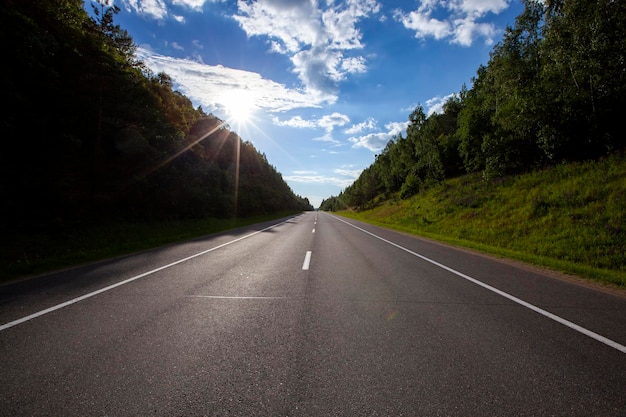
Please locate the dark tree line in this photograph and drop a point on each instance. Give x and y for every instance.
(553, 90)
(88, 132)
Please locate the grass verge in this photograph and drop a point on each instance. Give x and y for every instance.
(32, 253)
(570, 217)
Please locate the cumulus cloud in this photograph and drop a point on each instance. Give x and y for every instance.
(368, 124)
(424, 25)
(296, 121)
(196, 5)
(435, 104)
(467, 29)
(327, 122)
(318, 37)
(156, 9)
(207, 85)
(290, 24)
(160, 9)
(378, 140)
(461, 24)
(321, 179)
(354, 65)
(480, 7)
(340, 177)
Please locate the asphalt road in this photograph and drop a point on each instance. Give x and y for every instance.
(313, 315)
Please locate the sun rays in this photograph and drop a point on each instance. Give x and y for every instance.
(239, 106)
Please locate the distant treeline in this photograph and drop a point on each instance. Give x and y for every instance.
(88, 132)
(554, 90)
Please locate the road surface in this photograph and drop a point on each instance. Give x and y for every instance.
(312, 315)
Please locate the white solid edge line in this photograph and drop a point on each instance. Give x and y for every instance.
(521, 302)
(110, 287)
(307, 261)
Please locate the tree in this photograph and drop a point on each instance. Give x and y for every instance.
(583, 77)
(120, 39)
(91, 135)
(474, 121)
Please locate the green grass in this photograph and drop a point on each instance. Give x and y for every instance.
(32, 253)
(571, 217)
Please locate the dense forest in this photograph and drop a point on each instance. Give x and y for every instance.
(89, 133)
(553, 90)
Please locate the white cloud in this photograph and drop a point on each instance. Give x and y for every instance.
(435, 104)
(296, 121)
(341, 177)
(424, 25)
(409, 108)
(373, 141)
(461, 23)
(317, 69)
(315, 35)
(354, 65)
(369, 124)
(206, 85)
(320, 179)
(327, 122)
(340, 24)
(291, 24)
(467, 29)
(159, 9)
(396, 128)
(481, 7)
(196, 5)
(328, 138)
(156, 9)
(175, 45)
(350, 173)
(321, 38)
(377, 141)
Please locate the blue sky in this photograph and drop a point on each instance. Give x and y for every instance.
(318, 86)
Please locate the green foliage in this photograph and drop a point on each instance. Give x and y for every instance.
(410, 187)
(422, 159)
(583, 75)
(91, 135)
(552, 91)
(332, 204)
(570, 217)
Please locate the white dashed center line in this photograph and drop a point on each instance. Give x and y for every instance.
(307, 261)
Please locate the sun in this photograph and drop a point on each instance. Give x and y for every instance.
(239, 106)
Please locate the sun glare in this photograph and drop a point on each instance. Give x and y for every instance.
(239, 106)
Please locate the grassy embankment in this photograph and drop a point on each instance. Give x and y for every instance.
(25, 254)
(570, 218)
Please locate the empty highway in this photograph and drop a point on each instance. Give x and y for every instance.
(312, 315)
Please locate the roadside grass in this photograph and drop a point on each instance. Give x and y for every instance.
(32, 253)
(570, 217)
